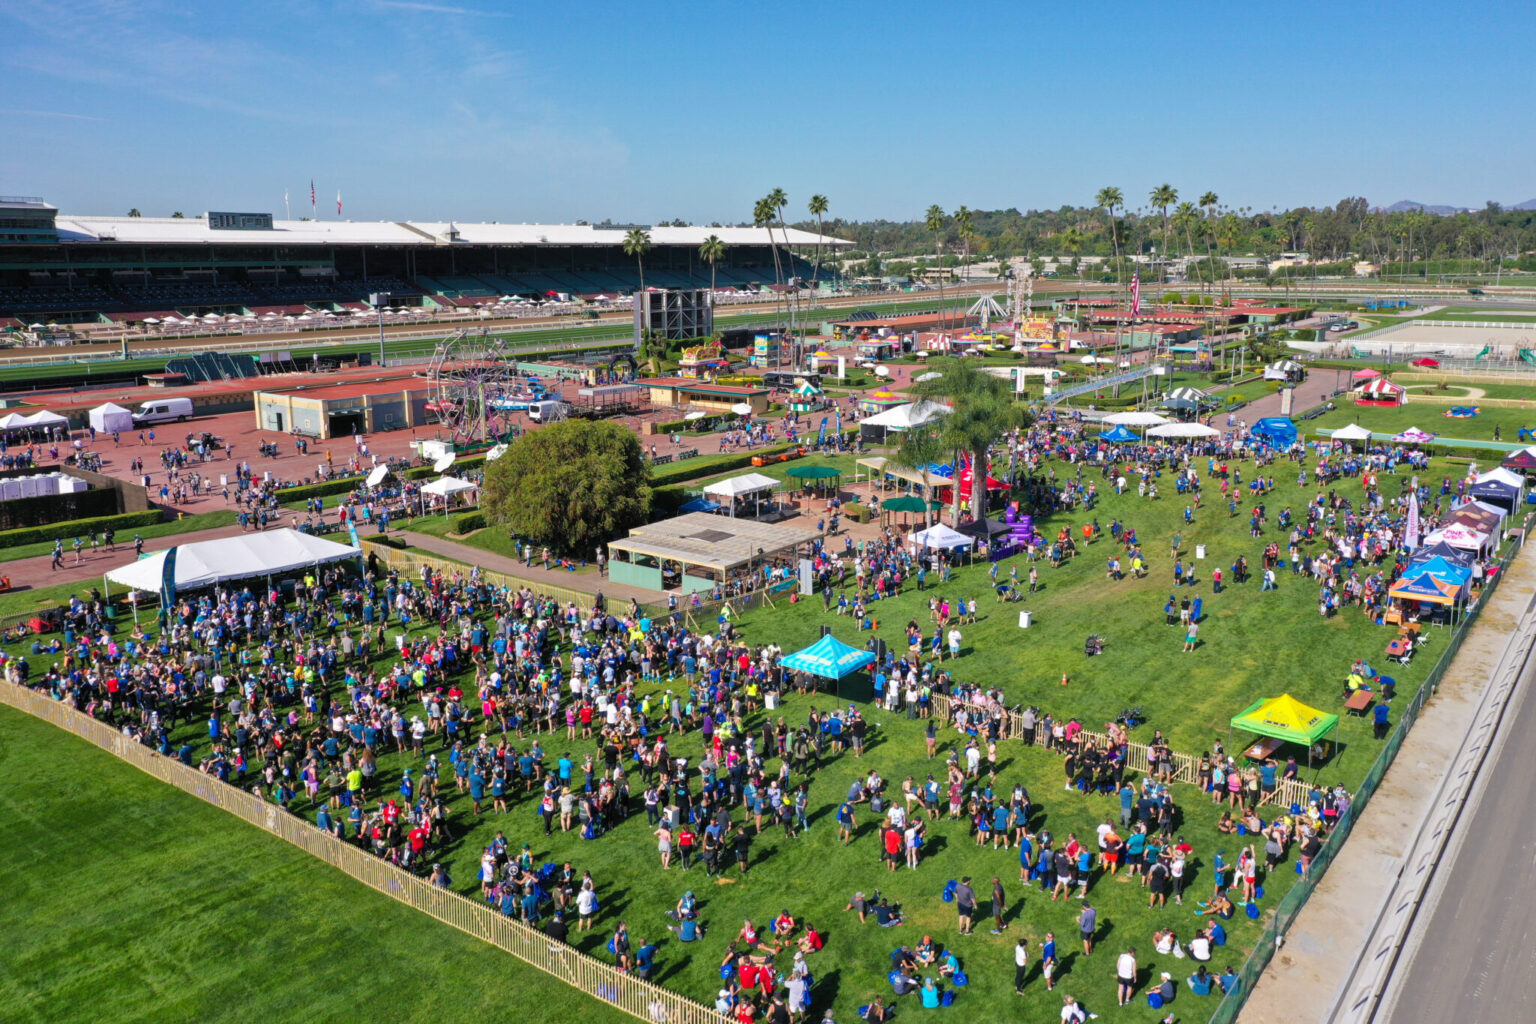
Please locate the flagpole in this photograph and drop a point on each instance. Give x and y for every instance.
(287, 212)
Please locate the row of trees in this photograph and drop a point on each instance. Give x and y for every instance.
(1175, 225)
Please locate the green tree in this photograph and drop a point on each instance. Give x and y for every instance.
(965, 226)
(637, 242)
(711, 251)
(982, 410)
(1110, 197)
(1163, 197)
(1208, 202)
(818, 208)
(135, 212)
(178, 215)
(933, 220)
(570, 485)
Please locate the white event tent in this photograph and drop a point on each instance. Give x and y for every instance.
(111, 418)
(208, 562)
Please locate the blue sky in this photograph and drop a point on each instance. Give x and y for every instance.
(484, 110)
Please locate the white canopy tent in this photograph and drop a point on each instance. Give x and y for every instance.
(1459, 535)
(207, 562)
(110, 418)
(46, 419)
(943, 537)
(445, 487)
(905, 417)
(1183, 430)
(1353, 432)
(1504, 476)
(753, 484)
(1135, 419)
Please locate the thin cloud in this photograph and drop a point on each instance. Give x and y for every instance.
(421, 7)
(60, 114)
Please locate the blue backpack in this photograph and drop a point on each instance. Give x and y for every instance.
(948, 998)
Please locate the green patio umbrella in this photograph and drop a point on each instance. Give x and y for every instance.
(905, 503)
(812, 472)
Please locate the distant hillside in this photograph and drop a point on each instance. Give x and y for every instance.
(1529, 204)
(1405, 205)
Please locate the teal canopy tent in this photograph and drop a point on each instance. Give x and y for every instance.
(829, 658)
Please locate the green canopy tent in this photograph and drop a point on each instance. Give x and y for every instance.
(803, 475)
(1288, 719)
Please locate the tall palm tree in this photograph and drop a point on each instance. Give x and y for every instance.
(1162, 197)
(982, 410)
(818, 208)
(711, 251)
(1072, 238)
(965, 227)
(637, 242)
(778, 200)
(762, 217)
(1208, 201)
(135, 212)
(933, 220)
(1184, 219)
(1110, 197)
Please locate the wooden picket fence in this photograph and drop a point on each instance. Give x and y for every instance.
(1138, 756)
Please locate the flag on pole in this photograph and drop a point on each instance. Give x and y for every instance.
(1136, 293)
(1411, 530)
(311, 193)
(338, 202)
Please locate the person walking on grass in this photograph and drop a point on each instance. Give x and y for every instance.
(1191, 636)
(965, 904)
(1087, 926)
(999, 907)
(1125, 975)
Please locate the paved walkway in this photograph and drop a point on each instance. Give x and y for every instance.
(35, 571)
(1304, 978)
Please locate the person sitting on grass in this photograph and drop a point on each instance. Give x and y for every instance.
(783, 925)
(1217, 906)
(860, 904)
(749, 937)
(887, 914)
(1226, 825)
(1200, 982)
(812, 941)
(926, 953)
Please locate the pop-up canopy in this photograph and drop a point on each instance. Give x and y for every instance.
(1119, 434)
(1286, 718)
(111, 417)
(942, 537)
(828, 658)
(1275, 430)
(205, 563)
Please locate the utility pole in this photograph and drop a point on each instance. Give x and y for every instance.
(379, 300)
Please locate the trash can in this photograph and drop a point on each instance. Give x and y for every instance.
(1199, 550)
(771, 699)
(1025, 618)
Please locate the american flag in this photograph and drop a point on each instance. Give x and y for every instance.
(1136, 293)
(311, 196)
(1411, 530)
(338, 202)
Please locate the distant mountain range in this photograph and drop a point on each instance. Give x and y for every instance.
(1440, 210)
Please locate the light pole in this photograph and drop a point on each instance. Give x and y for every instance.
(379, 300)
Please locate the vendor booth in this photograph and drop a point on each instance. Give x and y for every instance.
(111, 418)
(1275, 431)
(830, 658)
(1284, 719)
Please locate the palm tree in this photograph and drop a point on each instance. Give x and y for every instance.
(982, 410)
(1110, 197)
(920, 448)
(135, 212)
(964, 226)
(1072, 238)
(762, 217)
(1208, 201)
(710, 252)
(1163, 197)
(654, 346)
(1184, 218)
(778, 200)
(818, 207)
(637, 242)
(933, 220)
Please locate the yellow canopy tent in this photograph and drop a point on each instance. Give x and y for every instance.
(1286, 718)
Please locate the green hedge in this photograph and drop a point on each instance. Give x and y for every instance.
(709, 465)
(386, 540)
(469, 522)
(79, 528)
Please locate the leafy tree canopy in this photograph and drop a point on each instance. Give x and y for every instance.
(570, 485)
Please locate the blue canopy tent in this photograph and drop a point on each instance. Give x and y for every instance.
(1497, 492)
(1276, 431)
(1440, 549)
(700, 505)
(830, 658)
(1440, 568)
(1119, 435)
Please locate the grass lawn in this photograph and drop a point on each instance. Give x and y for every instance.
(176, 911)
(1252, 644)
(1427, 416)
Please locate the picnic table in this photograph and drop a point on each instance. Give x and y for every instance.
(1264, 749)
(1399, 647)
(1359, 701)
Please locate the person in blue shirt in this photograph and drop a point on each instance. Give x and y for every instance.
(1229, 981)
(323, 819)
(1379, 718)
(1127, 803)
(1200, 982)
(645, 960)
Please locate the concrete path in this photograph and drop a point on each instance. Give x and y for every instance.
(1304, 978)
(536, 574)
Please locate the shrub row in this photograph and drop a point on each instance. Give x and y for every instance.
(79, 527)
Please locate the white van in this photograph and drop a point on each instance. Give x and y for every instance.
(546, 411)
(163, 410)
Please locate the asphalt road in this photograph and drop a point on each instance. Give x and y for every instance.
(1476, 961)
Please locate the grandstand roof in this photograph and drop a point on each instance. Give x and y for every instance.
(194, 230)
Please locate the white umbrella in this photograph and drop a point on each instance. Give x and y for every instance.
(742, 409)
(695, 415)
(150, 320)
(934, 375)
(1183, 430)
(376, 475)
(443, 463)
(1135, 419)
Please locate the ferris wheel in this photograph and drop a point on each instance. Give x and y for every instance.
(471, 378)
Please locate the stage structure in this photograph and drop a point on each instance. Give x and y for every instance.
(674, 313)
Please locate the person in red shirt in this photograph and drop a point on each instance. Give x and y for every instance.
(893, 844)
(811, 942)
